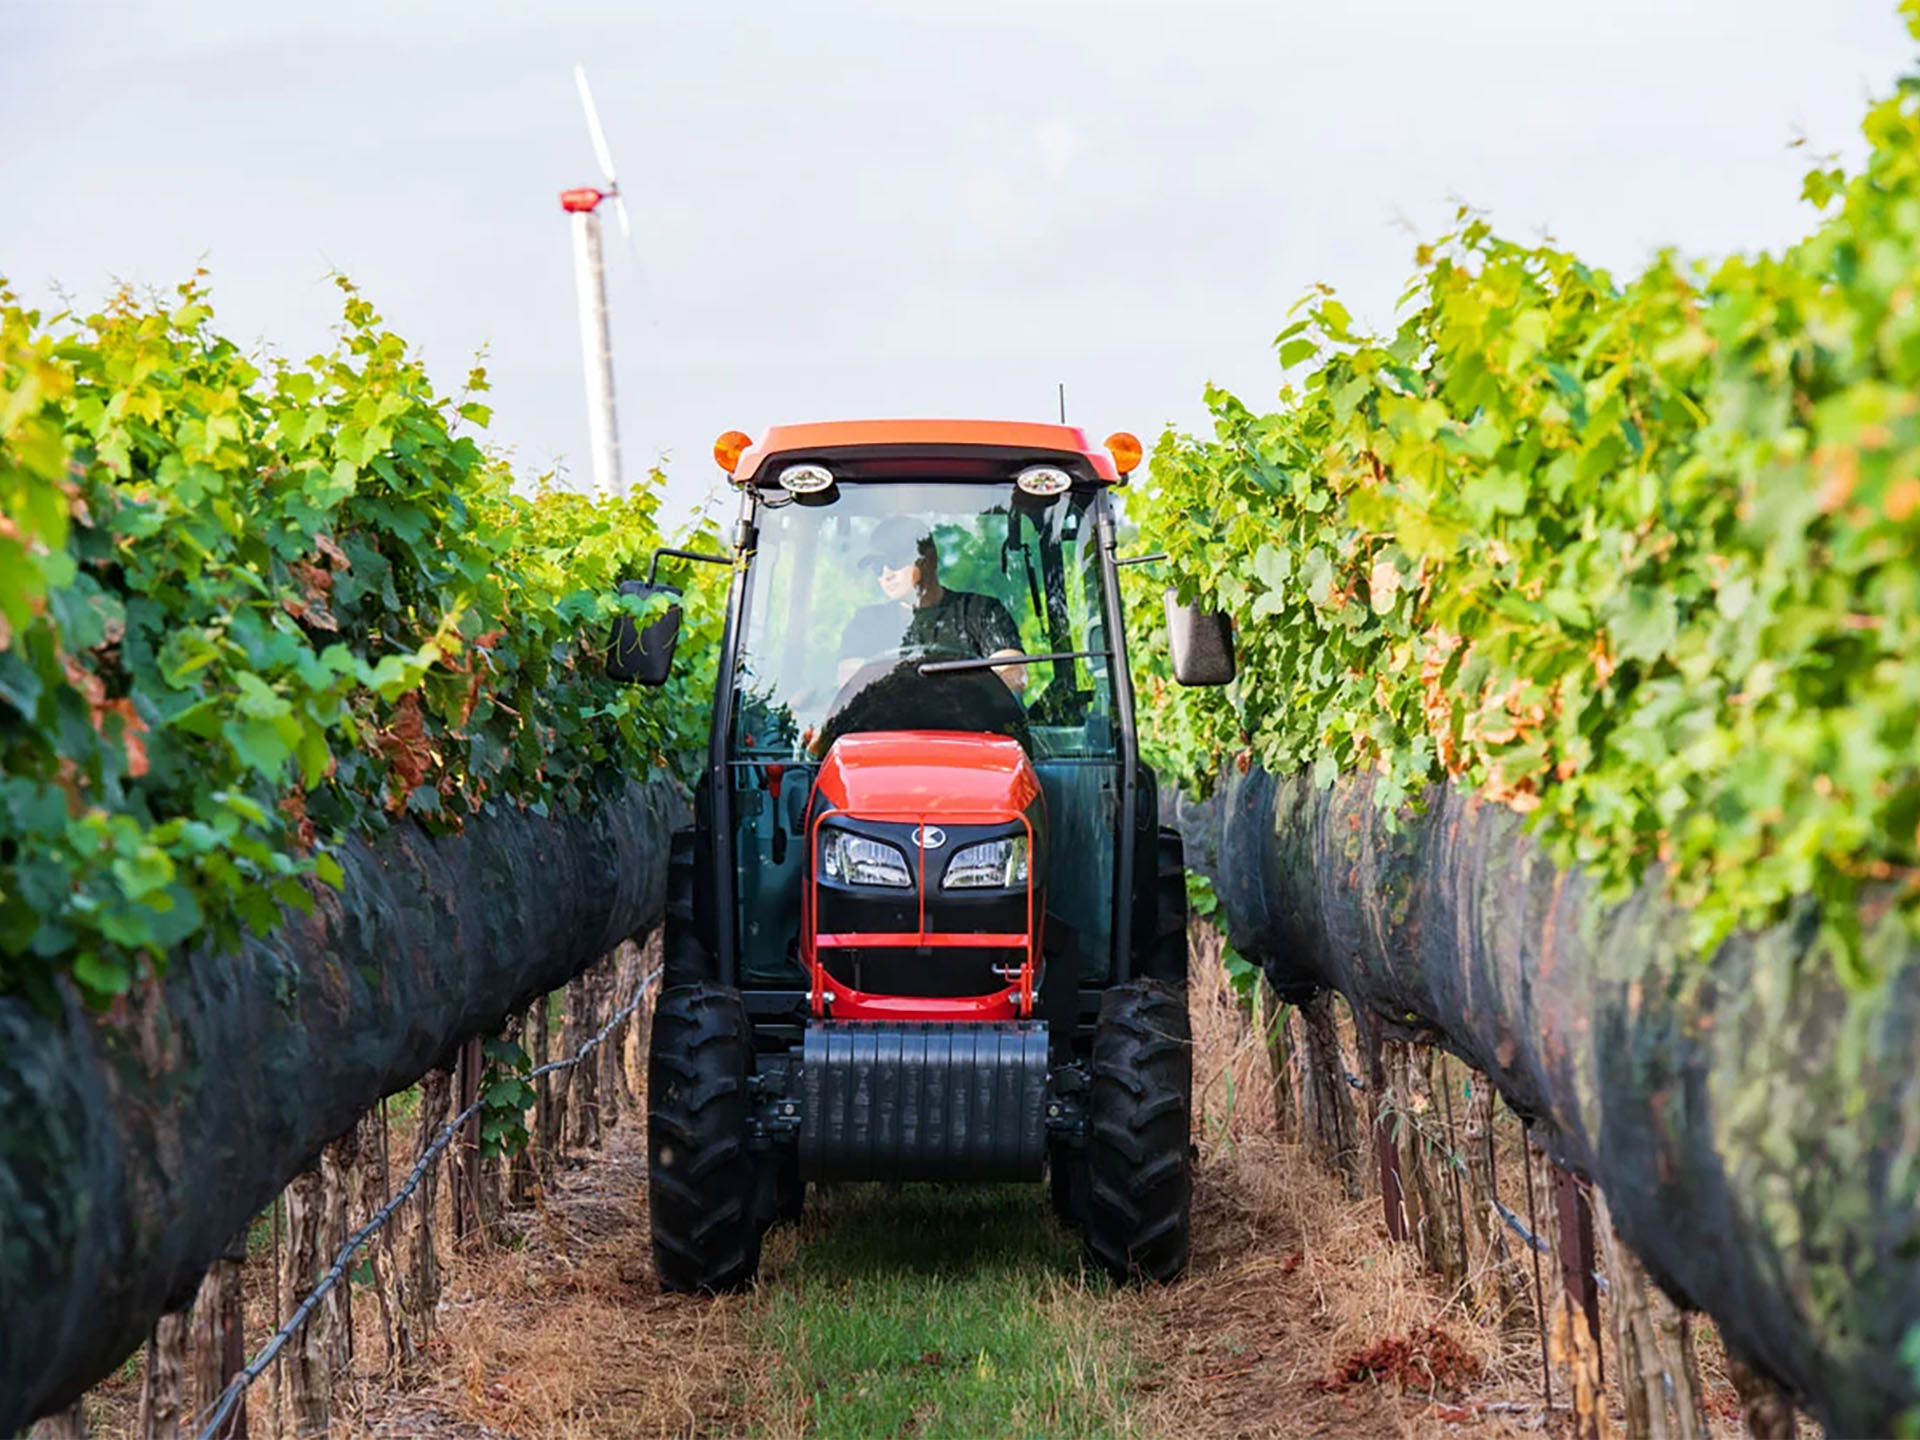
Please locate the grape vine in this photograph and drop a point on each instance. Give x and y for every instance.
(250, 606)
(1639, 557)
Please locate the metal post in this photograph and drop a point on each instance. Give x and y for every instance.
(1385, 1103)
(1539, 1295)
(1577, 1261)
(596, 352)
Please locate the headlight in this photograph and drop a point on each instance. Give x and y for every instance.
(996, 865)
(856, 860)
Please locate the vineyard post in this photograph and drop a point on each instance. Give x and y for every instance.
(1578, 1262)
(521, 1164)
(1336, 1125)
(1461, 1274)
(1386, 1147)
(1533, 1252)
(308, 1372)
(277, 1377)
(1495, 1290)
(163, 1389)
(582, 1131)
(1660, 1400)
(376, 1184)
(1274, 1018)
(549, 1099)
(1411, 1075)
(421, 1292)
(219, 1338)
(339, 1166)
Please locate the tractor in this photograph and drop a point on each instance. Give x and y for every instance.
(926, 925)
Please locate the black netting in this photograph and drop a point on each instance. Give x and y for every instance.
(1753, 1121)
(135, 1144)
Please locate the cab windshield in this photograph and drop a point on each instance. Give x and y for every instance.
(850, 598)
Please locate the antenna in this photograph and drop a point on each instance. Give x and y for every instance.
(1063, 402)
(582, 205)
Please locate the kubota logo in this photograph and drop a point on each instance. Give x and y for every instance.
(930, 837)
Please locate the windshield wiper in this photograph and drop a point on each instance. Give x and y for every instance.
(1001, 662)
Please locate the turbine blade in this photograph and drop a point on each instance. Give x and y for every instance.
(593, 128)
(626, 228)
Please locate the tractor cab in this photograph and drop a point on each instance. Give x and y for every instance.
(926, 904)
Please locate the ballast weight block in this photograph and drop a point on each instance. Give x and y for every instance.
(923, 1102)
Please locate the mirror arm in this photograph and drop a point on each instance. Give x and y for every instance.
(653, 567)
(1142, 559)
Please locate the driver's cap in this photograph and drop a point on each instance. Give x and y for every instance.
(898, 541)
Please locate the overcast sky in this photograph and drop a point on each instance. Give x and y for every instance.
(924, 208)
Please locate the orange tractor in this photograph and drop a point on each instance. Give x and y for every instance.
(926, 925)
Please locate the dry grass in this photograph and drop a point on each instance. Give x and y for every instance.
(569, 1336)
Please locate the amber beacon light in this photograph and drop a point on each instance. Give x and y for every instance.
(728, 449)
(1125, 450)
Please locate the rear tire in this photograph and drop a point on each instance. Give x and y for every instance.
(684, 959)
(701, 1173)
(1166, 958)
(1139, 1176)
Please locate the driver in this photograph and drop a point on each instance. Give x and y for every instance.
(919, 611)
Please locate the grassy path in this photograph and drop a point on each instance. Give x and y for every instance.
(936, 1311)
(955, 1311)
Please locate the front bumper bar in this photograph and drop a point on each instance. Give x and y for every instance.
(923, 1101)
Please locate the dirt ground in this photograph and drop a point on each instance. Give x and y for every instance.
(1298, 1318)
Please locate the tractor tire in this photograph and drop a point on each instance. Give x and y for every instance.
(684, 958)
(1139, 1174)
(1067, 1184)
(1166, 957)
(701, 1174)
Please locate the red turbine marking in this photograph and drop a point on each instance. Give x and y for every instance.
(580, 201)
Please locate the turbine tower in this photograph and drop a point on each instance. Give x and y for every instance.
(590, 282)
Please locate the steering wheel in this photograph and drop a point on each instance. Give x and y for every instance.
(890, 693)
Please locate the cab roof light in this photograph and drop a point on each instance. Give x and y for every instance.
(728, 449)
(1044, 480)
(805, 479)
(1126, 452)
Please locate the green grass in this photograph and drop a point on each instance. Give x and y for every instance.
(937, 1311)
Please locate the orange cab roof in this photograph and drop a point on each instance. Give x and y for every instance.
(935, 437)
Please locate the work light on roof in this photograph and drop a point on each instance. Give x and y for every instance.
(805, 479)
(1043, 480)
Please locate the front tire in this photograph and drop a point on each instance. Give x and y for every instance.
(1139, 1176)
(701, 1173)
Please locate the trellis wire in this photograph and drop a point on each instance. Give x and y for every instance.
(337, 1271)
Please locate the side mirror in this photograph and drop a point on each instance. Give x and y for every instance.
(1201, 642)
(644, 657)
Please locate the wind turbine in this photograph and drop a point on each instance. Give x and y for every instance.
(590, 283)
